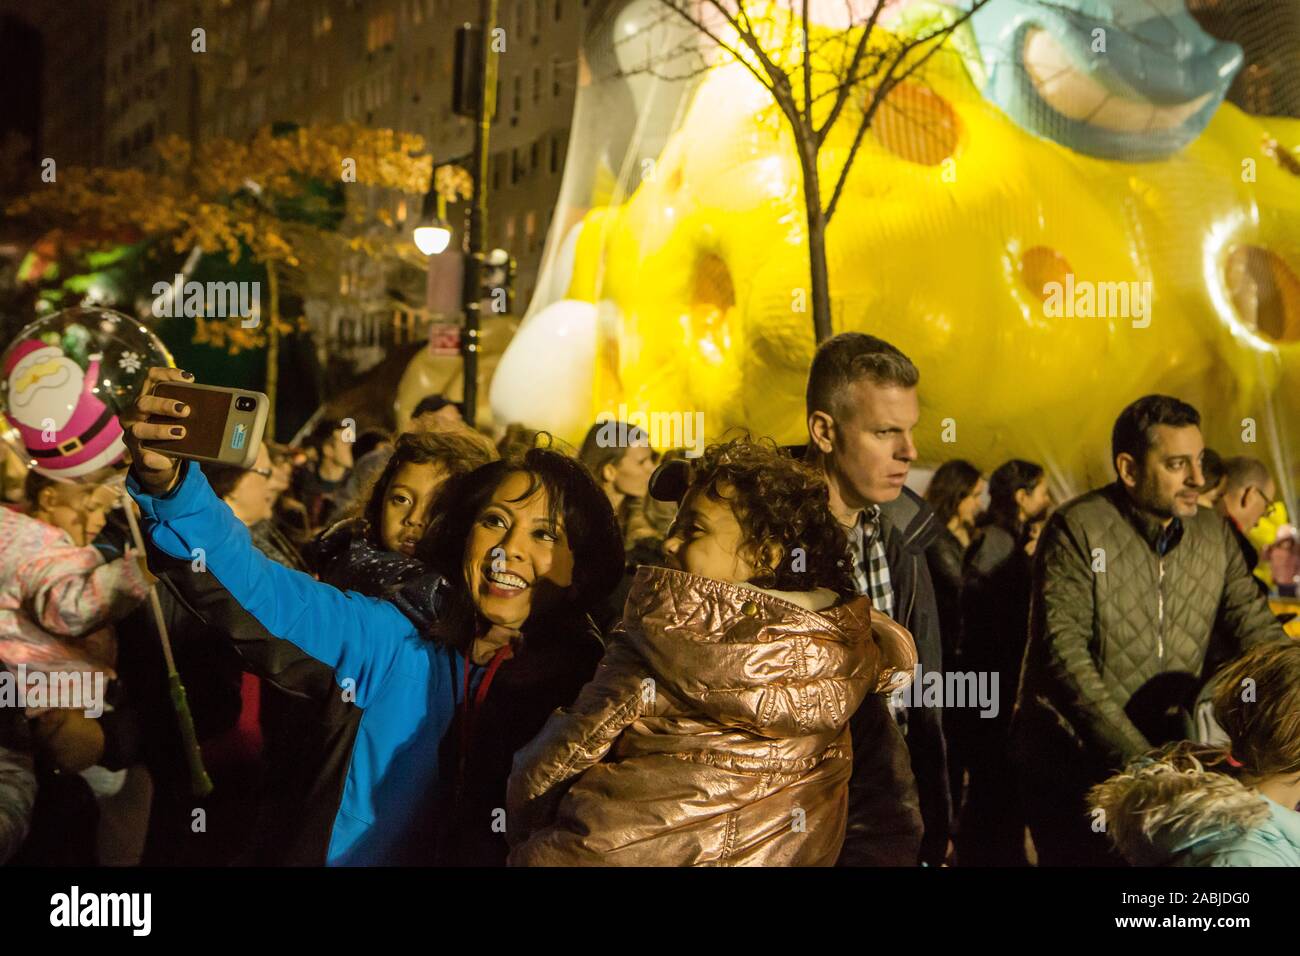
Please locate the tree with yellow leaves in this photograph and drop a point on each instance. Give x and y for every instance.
(262, 195)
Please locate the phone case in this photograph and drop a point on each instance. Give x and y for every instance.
(216, 430)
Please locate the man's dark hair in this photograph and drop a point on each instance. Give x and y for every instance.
(368, 441)
(434, 403)
(1008, 478)
(848, 357)
(322, 432)
(1136, 424)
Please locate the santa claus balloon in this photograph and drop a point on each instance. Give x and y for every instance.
(65, 378)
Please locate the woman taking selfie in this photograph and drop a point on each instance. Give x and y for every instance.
(522, 548)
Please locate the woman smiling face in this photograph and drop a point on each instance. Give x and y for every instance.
(517, 557)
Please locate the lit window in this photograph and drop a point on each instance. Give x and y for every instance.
(381, 31)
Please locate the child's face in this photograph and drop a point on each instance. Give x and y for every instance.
(705, 539)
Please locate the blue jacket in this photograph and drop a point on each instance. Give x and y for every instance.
(405, 685)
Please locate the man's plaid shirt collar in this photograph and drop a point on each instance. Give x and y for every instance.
(870, 567)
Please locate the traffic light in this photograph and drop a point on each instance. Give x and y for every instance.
(465, 79)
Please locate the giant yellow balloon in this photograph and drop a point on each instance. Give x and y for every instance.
(1037, 287)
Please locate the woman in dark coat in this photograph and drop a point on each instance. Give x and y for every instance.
(954, 494)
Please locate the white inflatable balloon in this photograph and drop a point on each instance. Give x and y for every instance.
(544, 380)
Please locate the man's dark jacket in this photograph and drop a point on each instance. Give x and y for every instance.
(900, 786)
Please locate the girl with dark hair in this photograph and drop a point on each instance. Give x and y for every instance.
(716, 729)
(1190, 804)
(1017, 494)
(374, 549)
(521, 549)
(954, 493)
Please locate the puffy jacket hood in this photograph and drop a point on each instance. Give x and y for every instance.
(1156, 812)
(774, 663)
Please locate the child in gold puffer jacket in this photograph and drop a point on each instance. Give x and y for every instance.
(715, 731)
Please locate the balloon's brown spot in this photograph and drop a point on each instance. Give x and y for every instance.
(1265, 292)
(1041, 266)
(917, 124)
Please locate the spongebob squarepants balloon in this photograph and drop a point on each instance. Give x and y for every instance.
(1056, 215)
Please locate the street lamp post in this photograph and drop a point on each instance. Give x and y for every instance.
(472, 293)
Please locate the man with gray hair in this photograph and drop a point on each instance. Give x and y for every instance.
(1248, 493)
(862, 407)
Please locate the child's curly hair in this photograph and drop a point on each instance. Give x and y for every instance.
(778, 501)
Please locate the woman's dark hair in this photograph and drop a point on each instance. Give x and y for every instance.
(606, 444)
(951, 485)
(575, 501)
(778, 501)
(1008, 478)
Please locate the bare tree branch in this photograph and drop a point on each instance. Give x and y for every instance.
(887, 86)
(678, 7)
(843, 96)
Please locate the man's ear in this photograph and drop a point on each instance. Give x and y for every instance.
(821, 431)
(1127, 469)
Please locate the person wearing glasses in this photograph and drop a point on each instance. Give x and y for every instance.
(1248, 493)
(251, 494)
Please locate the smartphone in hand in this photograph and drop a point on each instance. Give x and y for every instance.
(225, 425)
